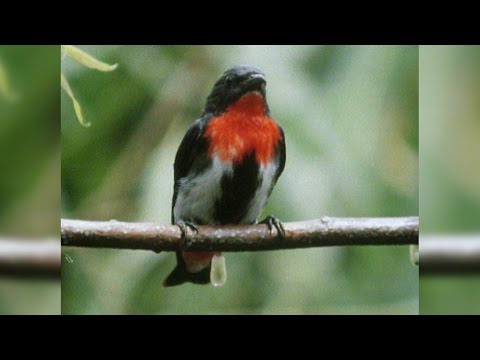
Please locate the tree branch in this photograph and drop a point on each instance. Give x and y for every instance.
(452, 255)
(30, 259)
(314, 233)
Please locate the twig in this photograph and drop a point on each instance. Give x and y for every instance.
(449, 255)
(313, 233)
(30, 259)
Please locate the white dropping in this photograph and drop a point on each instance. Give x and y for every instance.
(218, 270)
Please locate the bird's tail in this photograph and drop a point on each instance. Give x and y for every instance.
(214, 271)
(180, 275)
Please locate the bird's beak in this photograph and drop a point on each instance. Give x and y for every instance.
(255, 82)
(257, 78)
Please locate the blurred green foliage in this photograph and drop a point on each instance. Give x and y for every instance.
(350, 114)
(454, 295)
(450, 175)
(30, 166)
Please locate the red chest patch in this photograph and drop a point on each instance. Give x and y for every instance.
(244, 128)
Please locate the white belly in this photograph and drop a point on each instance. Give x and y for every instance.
(198, 194)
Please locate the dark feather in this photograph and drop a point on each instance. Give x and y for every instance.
(282, 154)
(238, 189)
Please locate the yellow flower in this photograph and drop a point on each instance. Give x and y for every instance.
(87, 60)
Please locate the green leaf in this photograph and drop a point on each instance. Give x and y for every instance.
(85, 59)
(76, 104)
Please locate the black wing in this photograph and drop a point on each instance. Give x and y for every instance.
(282, 154)
(192, 155)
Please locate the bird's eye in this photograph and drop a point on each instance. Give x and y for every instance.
(228, 81)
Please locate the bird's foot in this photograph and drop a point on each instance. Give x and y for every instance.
(273, 222)
(184, 226)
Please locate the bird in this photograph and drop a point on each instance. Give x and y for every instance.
(225, 169)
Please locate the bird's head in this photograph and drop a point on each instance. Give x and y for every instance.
(234, 84)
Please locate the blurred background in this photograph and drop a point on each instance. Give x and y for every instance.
(30, 167)
(449, 163)
(350, 114)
